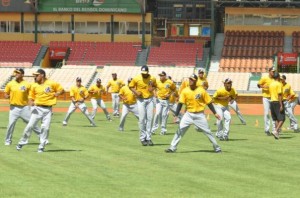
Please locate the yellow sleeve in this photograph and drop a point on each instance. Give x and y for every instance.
(132, 83)
(206, 98)
(182, 97)
(86, 93)
(31, 93)
(72, 92)
(7, 88)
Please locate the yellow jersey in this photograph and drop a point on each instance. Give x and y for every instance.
(265, 81)
(79, 93)
(44, 94)
(222, 92)
(173, 97)
(142, 84)
(195, 100)
(164, 88)
(98, 91)
(275, 89)
(287, 91)
(115, 85)
(18, 92)
(128, 95)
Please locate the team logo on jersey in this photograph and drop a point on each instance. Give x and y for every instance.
(47, 90)
(23, 88)
(167, 86)
(197, 96)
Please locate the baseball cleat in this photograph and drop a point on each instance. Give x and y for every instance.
(19, 147)
(150, 143)
(40, 150)
(144, 143)
(64, 123)
(275, 134)
(170, 150)
(7, 143)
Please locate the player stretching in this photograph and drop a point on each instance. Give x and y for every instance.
(129, 104)
(42, 97)
(195, 99)
(17, 92)
(78, 95)
(143, 86)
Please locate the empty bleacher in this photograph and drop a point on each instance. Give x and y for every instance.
(100, 53)
(239, 80)
(175, 54)
(296, 41)
(18, 53)
(249, 51)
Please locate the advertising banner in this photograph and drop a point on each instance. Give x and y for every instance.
(97, 6)
(287, 59)
(58, 53)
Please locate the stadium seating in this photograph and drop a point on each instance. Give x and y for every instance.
(175, 54)
(296, 41)
(100, 53)
(18, 53)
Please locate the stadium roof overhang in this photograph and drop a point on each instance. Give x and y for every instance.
(257, 3)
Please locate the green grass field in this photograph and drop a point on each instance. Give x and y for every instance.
(83, 161)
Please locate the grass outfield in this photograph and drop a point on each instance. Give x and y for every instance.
(82, 161)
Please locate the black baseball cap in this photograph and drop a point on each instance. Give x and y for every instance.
(276, 75)
(78, 79)
(129, 79)
(193, 77)
(227, 80)
(162, 73)
(19, 71)
(271, 69)
(114, 73)
(283, 77)
(145, 69)
(201, 71)
(40, 71)
(98, 80)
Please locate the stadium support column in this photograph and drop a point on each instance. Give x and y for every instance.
(22, 22)
(72, 27)
(36, 27)
(143, 30)
(212, 28)
(112, 28)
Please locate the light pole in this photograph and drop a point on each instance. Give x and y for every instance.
(34, 5)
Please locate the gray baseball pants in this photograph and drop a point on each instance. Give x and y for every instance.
(83, 109)
(126, 108)
(145, 107)
(200, 122)
(15, 113)
(101, 104)
(161, 114)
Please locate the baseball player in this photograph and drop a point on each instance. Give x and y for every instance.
(173, 104)
(222, 97)
(195, 99)
(78, 95)
(264, 83)
(165, 88)
(42, 97)
(17, 92)
(290, 101)
(202, 81)
(96, 91)
(143, 86)
(277, 106)
(115, 85)
(129, 104)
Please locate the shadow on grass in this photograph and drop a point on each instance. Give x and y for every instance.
(63, 150)
(198, 151)
(235, 140)
(3, 127)
(161, 144)
(286, 137)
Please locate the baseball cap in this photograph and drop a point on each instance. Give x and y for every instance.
(201, 70)
(271, 69)
(276, 75)
(227, 80)
(40, 71)
(170, 77)
(283, 77)
(129, 79)
(193, 77)
(98, 80)
(114, 73)
(162, 73)
(144, 69)
(19, 70)
(78, 79)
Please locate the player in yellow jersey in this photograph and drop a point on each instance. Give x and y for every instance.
(173, 104)
(195, 99)
(96, 91)
(115, 85)
(17, 92)
(165, 88)
(264, 83)
(202, 81)
(143, 86)
(222, 97)
(277, 106)
(129, 104)
(290, 102)
(42, 96)
(78, 95)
